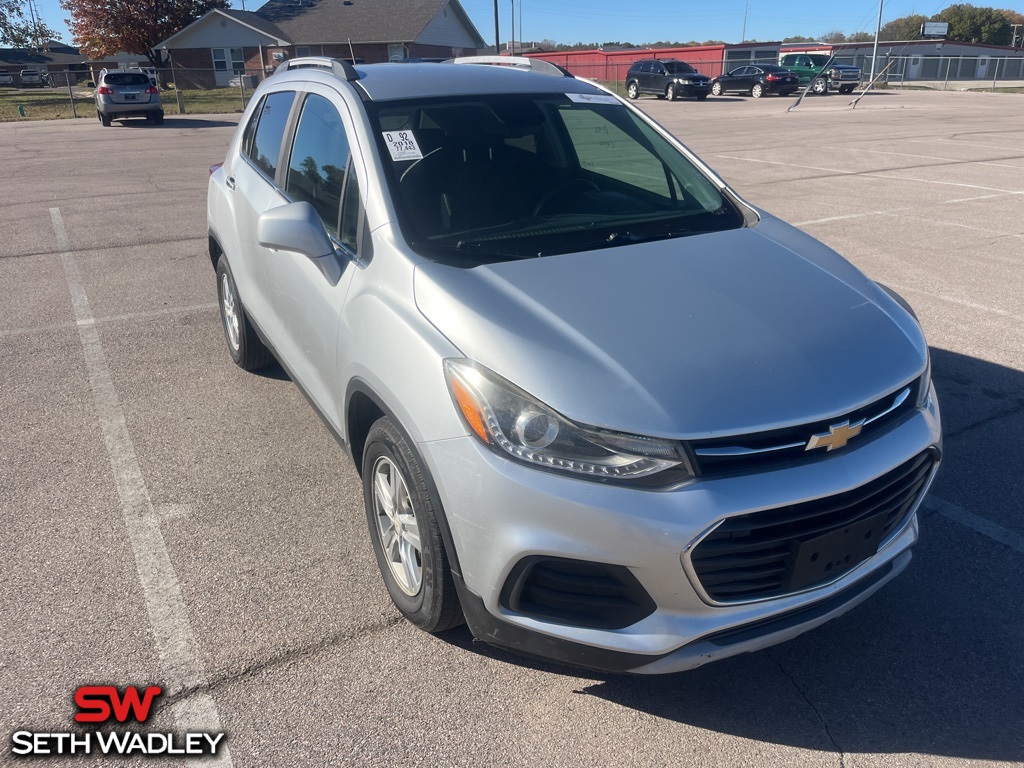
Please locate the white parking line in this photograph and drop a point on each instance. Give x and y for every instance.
(873, 174)
(175, 642)
(929, 157)
(978, 524)
(108, 319)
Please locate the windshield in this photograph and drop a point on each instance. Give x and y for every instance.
(493, 178)
(679, 68)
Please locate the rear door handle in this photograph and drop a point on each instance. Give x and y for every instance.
(230, 182)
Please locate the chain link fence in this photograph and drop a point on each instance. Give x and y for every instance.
(70, 93)
(935, 72)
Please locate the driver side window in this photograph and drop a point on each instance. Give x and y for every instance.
(320, 171)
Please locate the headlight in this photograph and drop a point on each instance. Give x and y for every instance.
(517, 426)
(926, 382)
(684, 81)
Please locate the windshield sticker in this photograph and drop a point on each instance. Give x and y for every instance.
(402, 145)
(592, 98)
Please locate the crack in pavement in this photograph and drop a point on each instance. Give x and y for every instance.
(337, 640)
(814, 709)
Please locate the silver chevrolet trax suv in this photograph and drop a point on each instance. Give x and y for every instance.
(604, 410)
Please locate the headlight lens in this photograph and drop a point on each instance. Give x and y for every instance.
(513, 424)
(926, 383)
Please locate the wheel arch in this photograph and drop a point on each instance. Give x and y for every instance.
(363, 407)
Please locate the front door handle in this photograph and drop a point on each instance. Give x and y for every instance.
(230, 182)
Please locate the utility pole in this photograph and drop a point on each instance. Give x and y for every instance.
(497, 35)
(512, 25)
(746, 6)
(874, 51)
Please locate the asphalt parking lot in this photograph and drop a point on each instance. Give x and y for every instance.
(254, 599)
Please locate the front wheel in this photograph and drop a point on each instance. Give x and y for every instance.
(402, 513)
(716, 89)
(632, 90)
(757, 90)
(670, 92)
(820, 86)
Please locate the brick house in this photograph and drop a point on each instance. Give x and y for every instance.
(226, 44)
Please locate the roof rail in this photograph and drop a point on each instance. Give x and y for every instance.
(339, 67)
(515, 62)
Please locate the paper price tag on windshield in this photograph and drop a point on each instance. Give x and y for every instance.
(402, 145)
(592, 98)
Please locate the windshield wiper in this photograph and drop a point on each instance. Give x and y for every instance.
(615, 239)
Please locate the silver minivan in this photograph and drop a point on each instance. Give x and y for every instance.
(603, 409)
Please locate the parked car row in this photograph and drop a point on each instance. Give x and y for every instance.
(671, 79)
(27, 78)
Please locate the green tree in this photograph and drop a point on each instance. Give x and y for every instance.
(860, 37)
(833, 36)
(18, 31)
(971, 24)
(798, 39)
(104, 27)
(903, 28)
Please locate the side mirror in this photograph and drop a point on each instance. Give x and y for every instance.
(294, 227)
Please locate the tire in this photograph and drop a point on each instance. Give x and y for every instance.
(757, 90)
(402, 513)
(716, 89)
(157, 118)
(670, 92)
(105, 119)
(632, 90)
(819, 86)
(244, 345)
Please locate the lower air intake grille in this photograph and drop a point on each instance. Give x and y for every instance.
(577, 593)
(788, 549)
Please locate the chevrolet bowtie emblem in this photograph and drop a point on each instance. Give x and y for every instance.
(837, 436)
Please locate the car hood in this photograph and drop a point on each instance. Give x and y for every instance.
(710, 335)
(845, 67)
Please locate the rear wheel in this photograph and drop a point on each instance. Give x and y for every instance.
(402, 513)
(105, 119)
(716, 89)
(244, 345)
(757, 90)
(632, 90)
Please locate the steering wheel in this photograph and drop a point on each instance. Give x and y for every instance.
(560, 189)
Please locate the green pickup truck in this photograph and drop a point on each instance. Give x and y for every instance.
(814, 68)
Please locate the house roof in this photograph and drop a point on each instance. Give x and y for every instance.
(245, 18)
(21, 57)
(361, 21)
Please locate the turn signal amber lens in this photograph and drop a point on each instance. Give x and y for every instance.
(470, 411)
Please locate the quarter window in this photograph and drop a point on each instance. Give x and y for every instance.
(319, 157)
(265, 147)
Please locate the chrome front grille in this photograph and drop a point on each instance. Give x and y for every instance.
(789, 549)
(748, 453)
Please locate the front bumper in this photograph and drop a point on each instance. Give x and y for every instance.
(690, 89)
(501, 512)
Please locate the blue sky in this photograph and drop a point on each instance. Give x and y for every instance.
(570, 21)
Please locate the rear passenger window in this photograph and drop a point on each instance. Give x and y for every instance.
(316, 171)
(265, 147)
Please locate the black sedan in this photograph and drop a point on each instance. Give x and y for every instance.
(757, 80)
